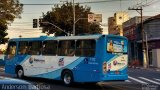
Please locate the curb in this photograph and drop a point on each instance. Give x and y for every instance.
(156, 69)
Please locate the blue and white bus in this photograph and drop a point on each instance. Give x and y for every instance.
(88, 58)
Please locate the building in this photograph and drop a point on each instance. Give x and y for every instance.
(115, 23)
(111, 26)
(132, 30)
(132, 33)
(152, 34)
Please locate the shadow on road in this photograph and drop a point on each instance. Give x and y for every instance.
(58, 85)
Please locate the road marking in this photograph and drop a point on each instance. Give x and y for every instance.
(149, 80)
(137, 80)
(127, 81)
(156, 79)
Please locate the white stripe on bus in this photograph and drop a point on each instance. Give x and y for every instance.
(149, 80)
(137, 80)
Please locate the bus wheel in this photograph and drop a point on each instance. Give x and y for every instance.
(20, 72)
(67, 78)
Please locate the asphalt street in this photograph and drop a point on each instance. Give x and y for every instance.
(139, 79)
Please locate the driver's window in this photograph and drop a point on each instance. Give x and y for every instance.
(11, 50)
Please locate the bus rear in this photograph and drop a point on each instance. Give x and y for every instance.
(114, 65)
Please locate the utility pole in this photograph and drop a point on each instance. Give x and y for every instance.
(139, 10)
(73, 18)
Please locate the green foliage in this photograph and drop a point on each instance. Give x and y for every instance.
(3, 32)
(62, 16)
(9, 10)
(2, 51)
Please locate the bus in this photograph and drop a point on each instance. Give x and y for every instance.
(86, 58)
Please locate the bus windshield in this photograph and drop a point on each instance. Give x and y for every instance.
(115, 45)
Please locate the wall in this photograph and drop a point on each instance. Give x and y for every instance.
(156, 57)
(115, 23)
(153, 28)
(112, 25)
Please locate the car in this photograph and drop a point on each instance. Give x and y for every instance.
(7, 83)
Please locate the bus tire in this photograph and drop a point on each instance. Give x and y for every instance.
(19, 72)
(67, 77)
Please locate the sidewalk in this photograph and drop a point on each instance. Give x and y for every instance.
(141, 67)
(152, 68)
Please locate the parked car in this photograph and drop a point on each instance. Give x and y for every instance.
(15, 84)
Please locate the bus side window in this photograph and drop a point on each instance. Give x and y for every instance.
(66, 48)
(23, 48)
(85, 48)
(35, 48)
(71, 48)
(79, 48)
(11, 50)
(49, 48)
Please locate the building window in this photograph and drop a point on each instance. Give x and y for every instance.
(120, 17)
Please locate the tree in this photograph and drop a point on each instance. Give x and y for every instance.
(3, 33)
(62, 16)
(9, 10)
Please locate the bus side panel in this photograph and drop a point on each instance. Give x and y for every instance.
(90, 69)
(10, 69)
(10, 65)
(49, 66)
(100, 54)
(84, 68)
(87, 70)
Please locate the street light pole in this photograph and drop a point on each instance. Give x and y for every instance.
(79, 19)
(56, 27)
(73, 18)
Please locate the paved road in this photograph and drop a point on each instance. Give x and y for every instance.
(139, 79)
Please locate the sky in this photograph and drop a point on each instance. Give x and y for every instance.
(24, 28)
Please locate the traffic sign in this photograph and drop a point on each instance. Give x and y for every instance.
(94, 17)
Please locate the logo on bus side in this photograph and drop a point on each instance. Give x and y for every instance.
(61, 62)
(31, 60)
(115, 63)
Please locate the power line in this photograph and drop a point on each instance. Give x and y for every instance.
(83, 2)
(37, 4)
(146, 4)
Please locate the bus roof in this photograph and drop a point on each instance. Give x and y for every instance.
(97, 36)
(116, 36)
